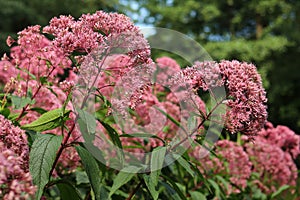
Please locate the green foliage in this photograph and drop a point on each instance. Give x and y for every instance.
(125, 175)
(48, 121)
(92, 169)
(20, 102)
(42, 156)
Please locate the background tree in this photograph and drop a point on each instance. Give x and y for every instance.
(264, 32)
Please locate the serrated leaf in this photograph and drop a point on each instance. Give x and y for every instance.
(197, 195)
(151, 186)
(68, 191)
(123, 177)
(20, 102)
(47, 121)
(42, 156)
(92, 170)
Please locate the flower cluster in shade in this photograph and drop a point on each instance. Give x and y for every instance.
(15, 179)
(245, 96)
(268, 155)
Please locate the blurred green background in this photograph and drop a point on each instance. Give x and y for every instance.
(264, 32)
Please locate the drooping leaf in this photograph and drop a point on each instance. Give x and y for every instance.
(47, 121)
(42, 156)
(123, 177)
(92, 170)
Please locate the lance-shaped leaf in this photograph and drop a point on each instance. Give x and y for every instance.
(92, 170)
(123, 177)
(48, 121)
(42, 156)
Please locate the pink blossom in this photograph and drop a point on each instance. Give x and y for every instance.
(282, 137)
(15, 179)
(100, 30)
(233, 162)
(274, 166)
(14, 139)
(245, 96)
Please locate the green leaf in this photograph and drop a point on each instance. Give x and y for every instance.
(157, 161)
(280, 190)
(41, 159)
(217, 190)
(123, 177)
(197, 195)
(185, 164)
(20, 102)
(175, 187)
(151, 186)
(13, 116)
(92, 170)
(68, 191)
(5, 112)
(114, 136)
(174, 195)
(47, 121)
(87, 125)
(39, 110)
(81, 177)
(142, 135)
(177, 123)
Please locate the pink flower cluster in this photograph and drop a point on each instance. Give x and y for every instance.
(15, 179)
(102, 31)
(34, 55)
(233, 163)
(270, 155)
(245, 95)
(282, 137)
